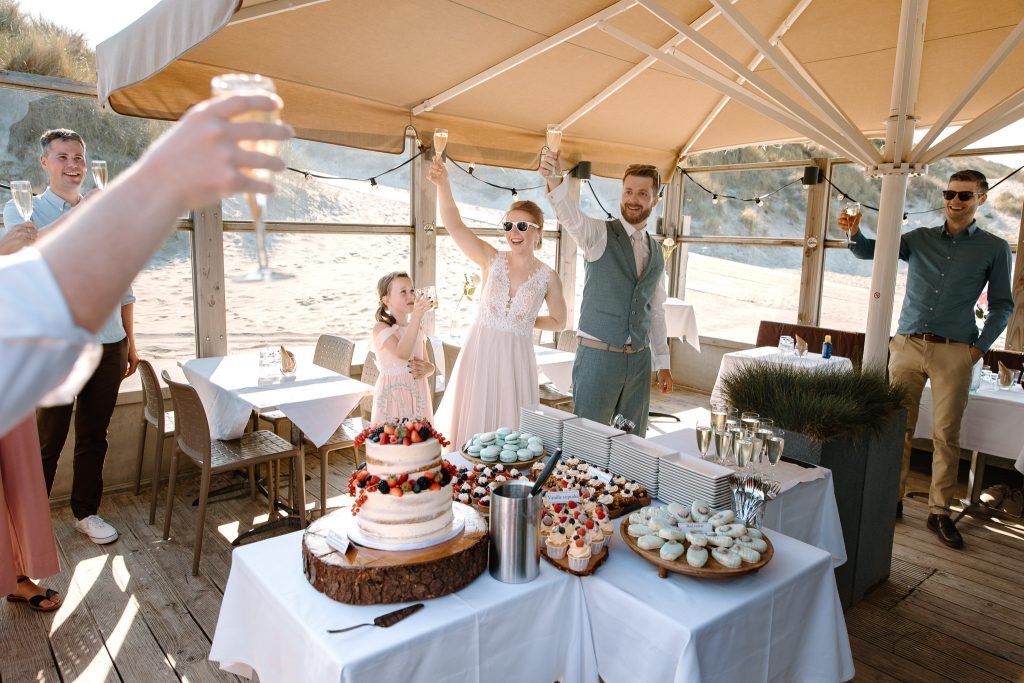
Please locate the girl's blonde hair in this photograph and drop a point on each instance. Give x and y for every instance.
(383, 288)
(536, 213)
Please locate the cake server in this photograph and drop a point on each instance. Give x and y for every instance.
(385, 620)
(546, 472)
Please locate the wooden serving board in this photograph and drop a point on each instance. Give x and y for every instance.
(711, 570)
(365, 576)
(563, 564)
(518, 464)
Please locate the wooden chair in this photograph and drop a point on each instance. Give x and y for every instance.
(370, 374)
(213, 456)
(162, 421)
(451, 354)
(549, 394)
(846, 344)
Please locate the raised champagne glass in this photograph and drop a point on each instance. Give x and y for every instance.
(703, 438)
(430, 292)
(21, 190)
(440, 142)
(553, 137)
(852, 209)
(254, 84)
(98, 167)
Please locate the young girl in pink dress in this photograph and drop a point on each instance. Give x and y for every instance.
(402, 389)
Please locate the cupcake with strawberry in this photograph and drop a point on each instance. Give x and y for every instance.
(579, 553)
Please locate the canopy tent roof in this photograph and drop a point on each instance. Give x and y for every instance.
(626, 78)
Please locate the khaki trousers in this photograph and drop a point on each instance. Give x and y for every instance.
(912, 362)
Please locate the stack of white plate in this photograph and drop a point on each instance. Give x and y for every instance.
(637, 459)
(683, 479)
(545, 422)
(588, 440)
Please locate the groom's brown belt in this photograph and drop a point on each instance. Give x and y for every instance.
(594, 344)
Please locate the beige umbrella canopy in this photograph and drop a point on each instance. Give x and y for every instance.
(630, 80)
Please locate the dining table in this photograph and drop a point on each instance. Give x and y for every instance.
(770, 354)
(681, 322)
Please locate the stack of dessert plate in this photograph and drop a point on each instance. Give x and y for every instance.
(637, 459)
(683, 479)
(588, 440)
(545, 422)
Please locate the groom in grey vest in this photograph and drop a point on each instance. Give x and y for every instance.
(622, 314)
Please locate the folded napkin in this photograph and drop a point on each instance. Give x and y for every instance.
(801, 345)
(287, 361)
(1005, 374)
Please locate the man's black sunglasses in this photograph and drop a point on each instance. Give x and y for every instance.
(963, 195)
(521, 226)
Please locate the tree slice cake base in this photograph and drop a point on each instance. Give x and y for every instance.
(366, 576)
(563, 563)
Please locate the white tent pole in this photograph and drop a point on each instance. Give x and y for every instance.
(906, 76)
(527, 54)
(1000, 54)
(269, 9)
(699, 23)
(996, 118)
(717, 109)
(712, 78)
(823, 105)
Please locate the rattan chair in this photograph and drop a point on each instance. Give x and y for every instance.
(438, 379)
(213, 456)
(162, 421)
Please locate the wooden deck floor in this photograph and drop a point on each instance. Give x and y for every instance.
(133, 612)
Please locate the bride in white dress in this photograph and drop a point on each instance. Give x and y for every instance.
(496, 371)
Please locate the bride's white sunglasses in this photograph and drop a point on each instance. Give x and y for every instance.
(521, 226)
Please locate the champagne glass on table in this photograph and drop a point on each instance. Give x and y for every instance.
(852, 209)
(99, 173)
(774, 447)
(719, 414)
(703, 438)
(21, 190)
(723, 444)
(744, 447)
(440, 142)
(254, 84)
(749, 421)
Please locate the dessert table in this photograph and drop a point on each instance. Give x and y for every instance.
(681, 322)
(806, 508)
(783, 622)
(770, 354)
(274, 623)
(315, 399)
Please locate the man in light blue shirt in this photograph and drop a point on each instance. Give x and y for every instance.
(937, 339)
(63, 160)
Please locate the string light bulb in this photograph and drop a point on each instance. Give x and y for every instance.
(472, 167)
(758, 201)
(842, 197)
(714, 198)
(906, 218)
(373, 185)
(515, 195)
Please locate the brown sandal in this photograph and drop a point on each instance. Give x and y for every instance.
(36, 601)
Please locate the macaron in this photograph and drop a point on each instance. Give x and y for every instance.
(512, 437)
(487, 438)
(489, 453)
(474, 449)
(502, 432)
(525, 454)
(508, 456)
(536, 448)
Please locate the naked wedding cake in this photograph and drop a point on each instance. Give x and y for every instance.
(403, 492)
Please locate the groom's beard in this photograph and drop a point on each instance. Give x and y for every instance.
(634, 216)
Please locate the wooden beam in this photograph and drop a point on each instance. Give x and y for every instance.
(673, 227)
(1015, 328)
(269, 9)
(208, 281)
(995, 118)
(424, 242)
(813, 266)
(47, 84)
(523, 56)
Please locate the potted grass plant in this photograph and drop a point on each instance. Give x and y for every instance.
(851, 422)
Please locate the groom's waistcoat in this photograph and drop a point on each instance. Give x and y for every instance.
(616, 303)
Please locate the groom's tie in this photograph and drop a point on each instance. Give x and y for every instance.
(639, 251)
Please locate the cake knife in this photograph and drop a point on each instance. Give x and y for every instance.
(385, 620)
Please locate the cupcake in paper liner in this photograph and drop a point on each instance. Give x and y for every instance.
(557, 543)
(579, 554)
(597, 540)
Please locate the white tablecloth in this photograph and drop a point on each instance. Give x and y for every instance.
(993, 422)
(315, 399)
(781, 623)
(272, 621)
(805, 509)
(737, 359)
(555, 366)
(681, 322)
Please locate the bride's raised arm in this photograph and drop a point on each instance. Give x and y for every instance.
(478, 251)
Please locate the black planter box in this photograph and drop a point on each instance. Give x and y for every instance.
(866, 475)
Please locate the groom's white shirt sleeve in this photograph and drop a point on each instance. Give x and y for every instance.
(592, 237)
(39, 341)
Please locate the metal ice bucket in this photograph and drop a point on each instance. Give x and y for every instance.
(515, 521)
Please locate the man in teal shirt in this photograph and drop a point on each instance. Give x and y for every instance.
(63, 161)
(937, 339)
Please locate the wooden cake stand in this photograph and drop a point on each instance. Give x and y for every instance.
(364, 576)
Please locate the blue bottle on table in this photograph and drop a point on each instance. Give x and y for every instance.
(826, 347)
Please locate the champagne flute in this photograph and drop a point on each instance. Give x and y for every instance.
(774, 447)
(723, 444)
(719, 414)
(749, 421)
(703, 438)
(99, 173)
(852, 209)
(440, 142)
(246, 84)
(21, 190)
(758, 447)
(431, 293)
(553, 137)
(744, 447)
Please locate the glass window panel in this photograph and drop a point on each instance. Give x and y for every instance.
(734, 287)
(483, 206)
(454, 311)
(315, 200)
(782, 214)
(846, 288)
(334, 290)
(165, 326)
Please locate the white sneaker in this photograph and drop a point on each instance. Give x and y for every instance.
(98, 531)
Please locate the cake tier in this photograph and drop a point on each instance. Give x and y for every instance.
(396, 459)
(408, 518)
